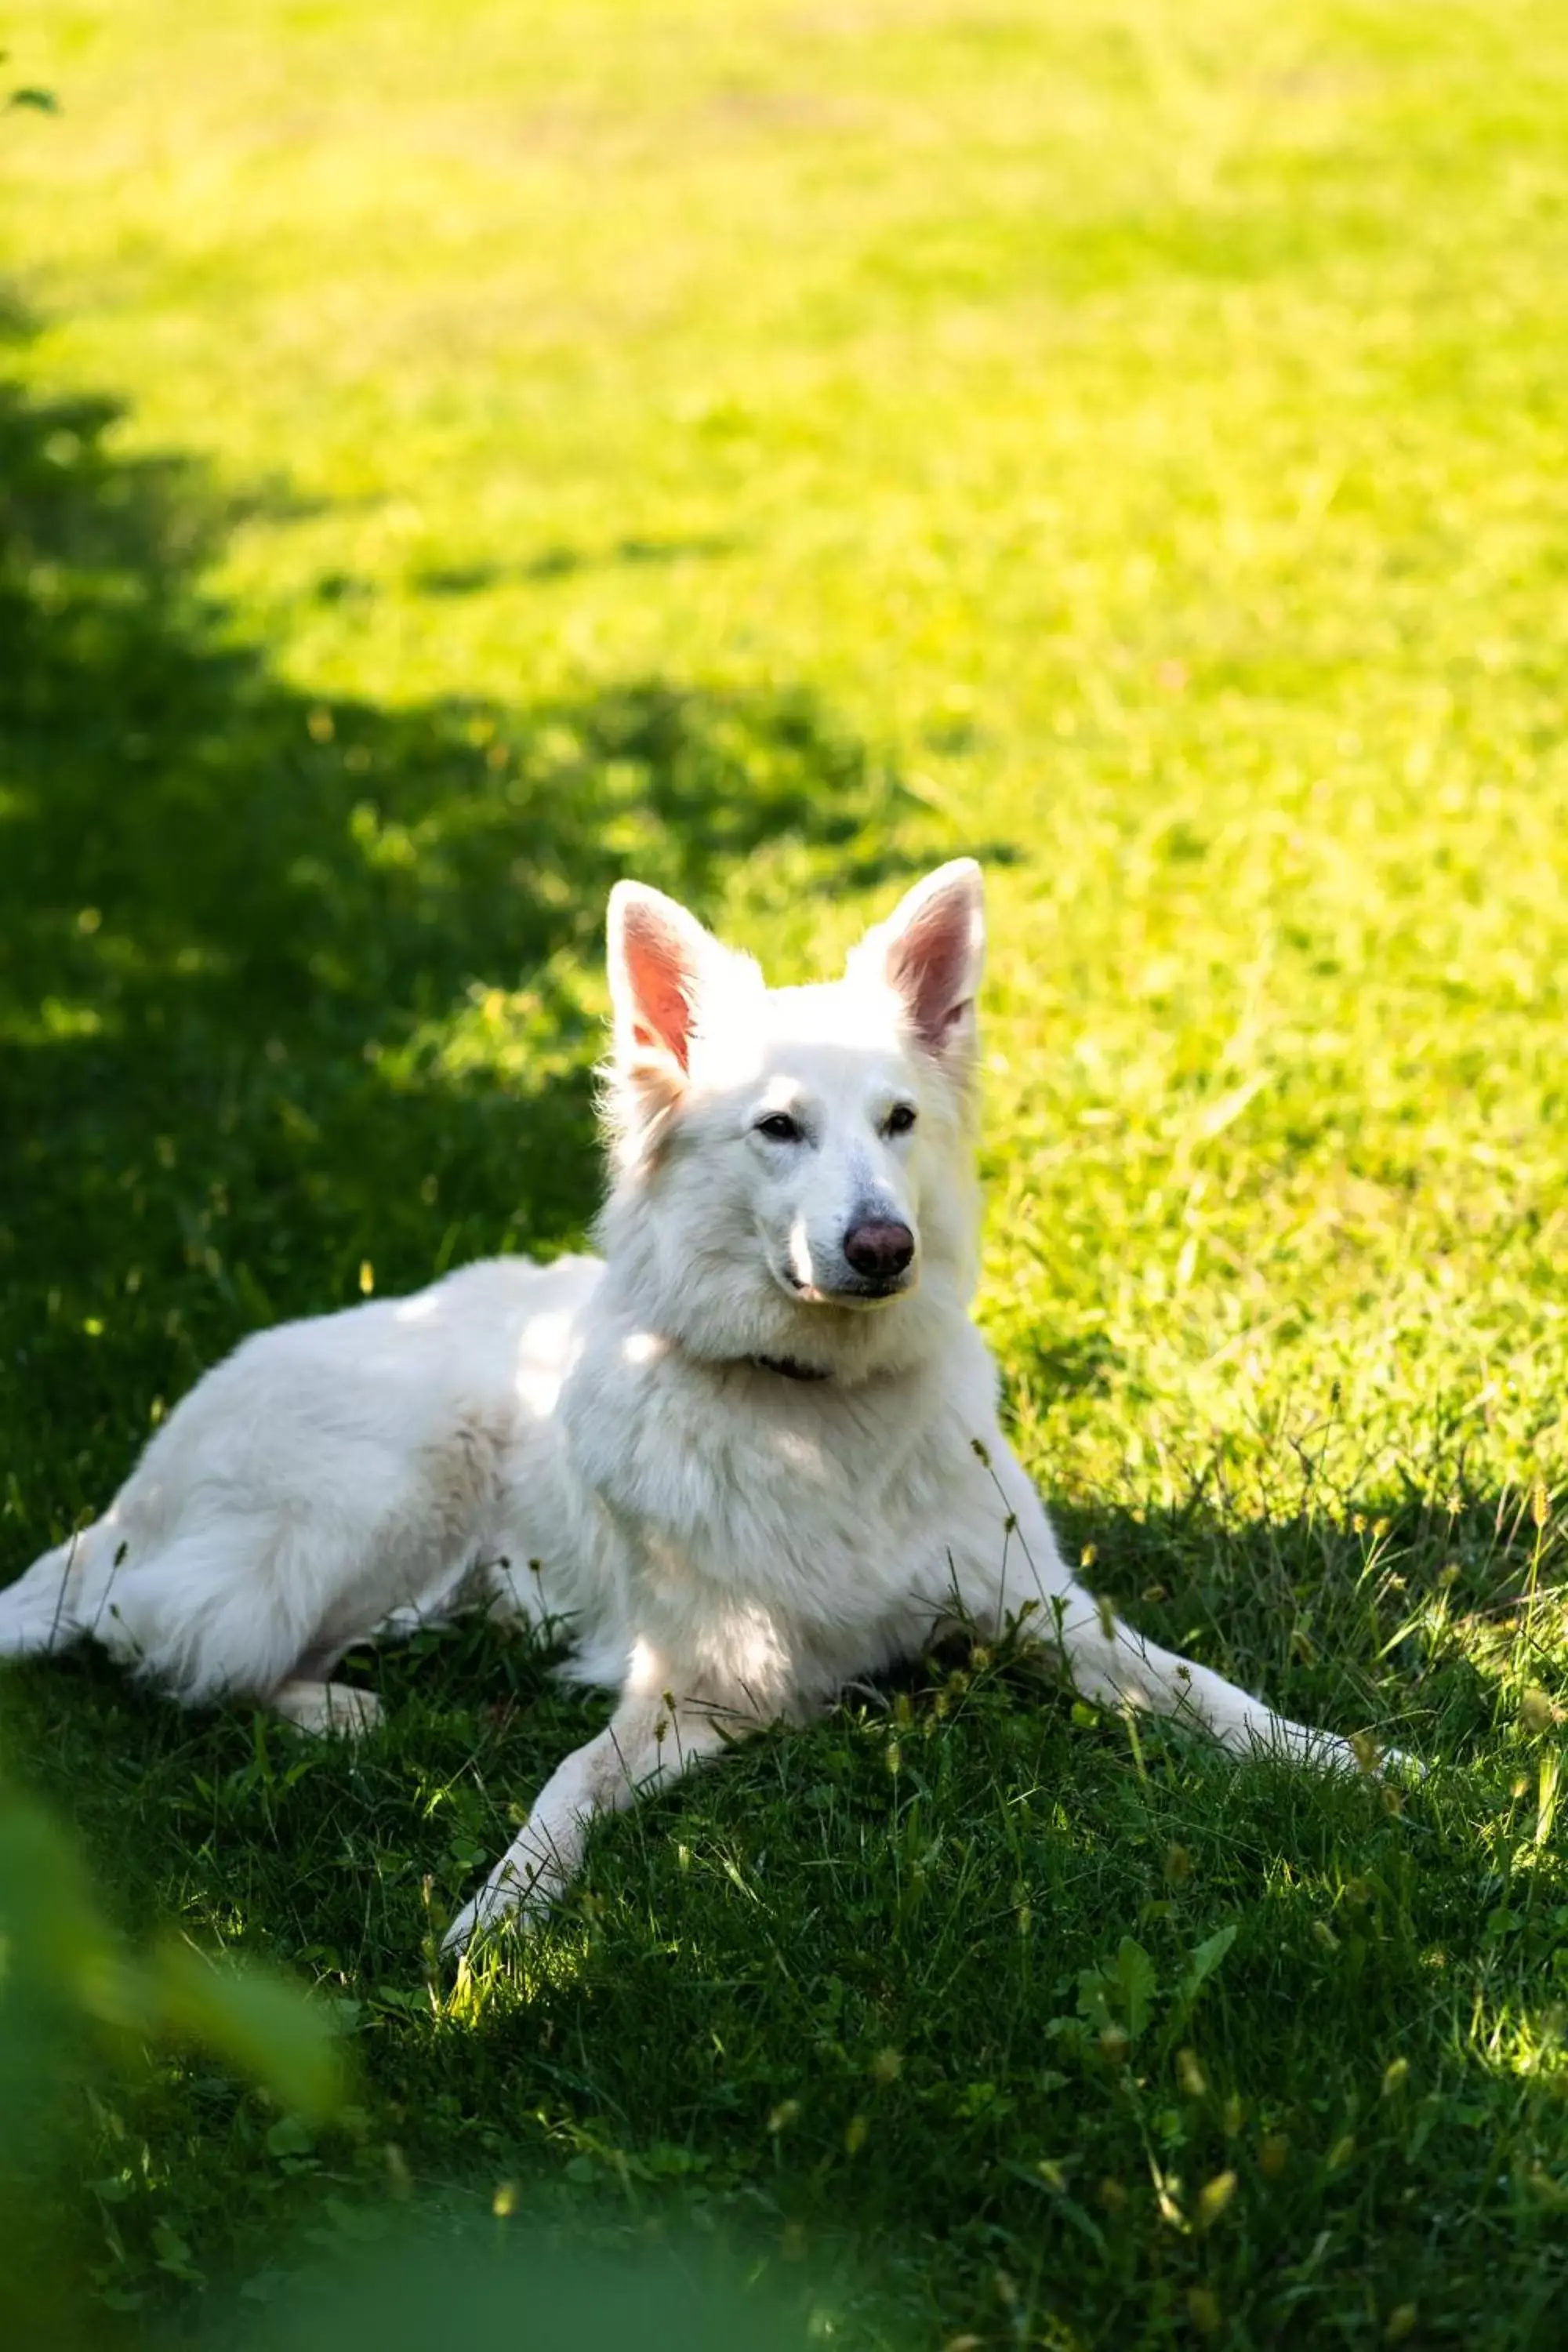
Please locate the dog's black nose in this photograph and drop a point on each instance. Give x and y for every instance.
(879, 1249)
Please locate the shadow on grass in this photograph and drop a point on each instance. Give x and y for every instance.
(239, 928)
(565, 562)
(841, 1994)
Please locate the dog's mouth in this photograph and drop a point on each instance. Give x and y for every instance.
(860, 1290)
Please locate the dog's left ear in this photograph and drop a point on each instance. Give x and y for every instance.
(660, 958)
(930, 953)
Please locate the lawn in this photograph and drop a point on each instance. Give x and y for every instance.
(452, 456)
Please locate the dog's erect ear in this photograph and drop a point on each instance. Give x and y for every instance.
(931, 951)
(661, 960)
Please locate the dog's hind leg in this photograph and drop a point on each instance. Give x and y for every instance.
(174, 1617)
(311, 1701)
(334, 1709)
(75, 1593)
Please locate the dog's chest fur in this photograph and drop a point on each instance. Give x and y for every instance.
(806, 1513)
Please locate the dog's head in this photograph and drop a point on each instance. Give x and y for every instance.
(792, 1165)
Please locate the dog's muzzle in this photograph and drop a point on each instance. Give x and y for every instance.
(880, 1251)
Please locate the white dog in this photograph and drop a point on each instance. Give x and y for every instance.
(751, 1453)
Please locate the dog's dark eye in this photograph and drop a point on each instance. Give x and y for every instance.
(901, 1118)
(779, 1128)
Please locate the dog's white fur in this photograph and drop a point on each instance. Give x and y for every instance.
(737, 1470)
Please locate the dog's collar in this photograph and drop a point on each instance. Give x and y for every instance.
(788, 1368)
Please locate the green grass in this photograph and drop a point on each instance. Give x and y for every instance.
(452, 456)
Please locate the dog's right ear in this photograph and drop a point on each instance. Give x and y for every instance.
(929, 952)
(661, 963)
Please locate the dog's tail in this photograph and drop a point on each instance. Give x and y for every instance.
(42, 1611)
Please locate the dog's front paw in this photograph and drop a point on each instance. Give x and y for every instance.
(478, 1921)
(1374, 1760)
(513, 1898)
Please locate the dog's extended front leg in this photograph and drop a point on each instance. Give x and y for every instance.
(1108, 1662)
(647, 1743)
(1105, 1660)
